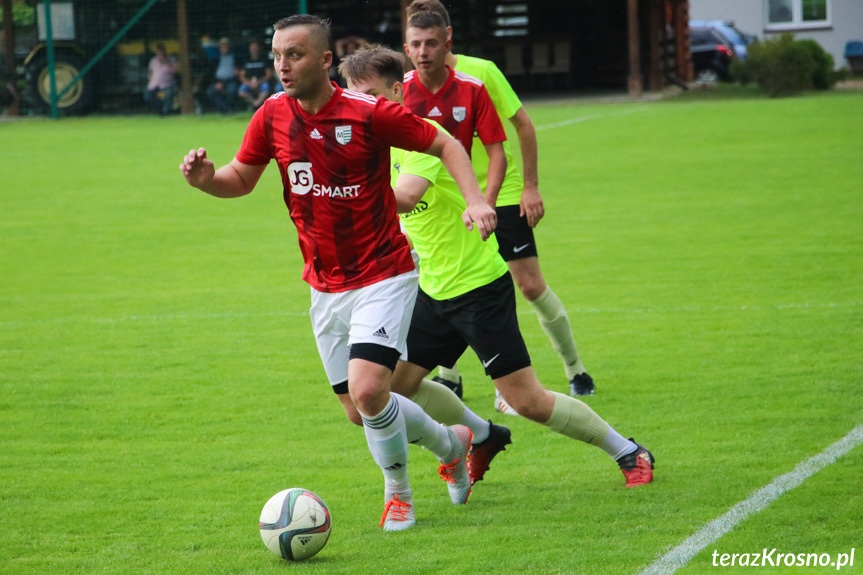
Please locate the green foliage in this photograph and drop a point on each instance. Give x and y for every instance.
(22, 14)
(782, 65)
(842, 74)
(741, 71)
(159, 380)
(823, 77)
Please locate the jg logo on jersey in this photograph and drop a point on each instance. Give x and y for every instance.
(300, 177)
(302, 181)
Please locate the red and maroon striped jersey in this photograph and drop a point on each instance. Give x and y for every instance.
(335, 168)
(462, 106)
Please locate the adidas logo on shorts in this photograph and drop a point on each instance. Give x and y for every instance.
(382, 333)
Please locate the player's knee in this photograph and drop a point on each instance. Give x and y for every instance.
(530, 285)
(407, 378)
(365, 397)
(532, 289)
(528, 407)
(527, 396)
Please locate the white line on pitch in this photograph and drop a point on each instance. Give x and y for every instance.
(758, 501)
(587, 118)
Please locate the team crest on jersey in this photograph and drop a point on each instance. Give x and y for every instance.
(343, 134)
(459, 113)
(300, 177)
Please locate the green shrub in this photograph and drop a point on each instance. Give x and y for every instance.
(823, 78)
(780, 65)
(842, 74)
(741, 70)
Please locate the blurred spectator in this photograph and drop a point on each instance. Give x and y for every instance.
(345, 47)
(225, 83)
(161, 73)
(256, 77)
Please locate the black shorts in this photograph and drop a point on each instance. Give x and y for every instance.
(514, 237)
(484, 319)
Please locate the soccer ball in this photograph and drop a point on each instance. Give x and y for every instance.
(295, 524)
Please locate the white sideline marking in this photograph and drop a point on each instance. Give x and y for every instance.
(587, 118)
(683, 553)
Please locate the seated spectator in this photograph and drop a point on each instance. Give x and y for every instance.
(345, 47)
(223, 89)
(161, 72)
(256, 77)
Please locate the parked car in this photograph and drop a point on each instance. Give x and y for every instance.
(738, 40)
(714, 44)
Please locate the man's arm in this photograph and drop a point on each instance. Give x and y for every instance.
(230, 181)
(456, 161)
(409, 190)
(531, 200)
(496, 172)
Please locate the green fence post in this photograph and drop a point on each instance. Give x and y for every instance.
(49, 44)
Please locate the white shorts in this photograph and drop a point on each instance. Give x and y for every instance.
(379, 313)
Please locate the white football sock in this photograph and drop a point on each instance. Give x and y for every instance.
(443, 405)
(616, 445)
(422, 429)
(386, 435)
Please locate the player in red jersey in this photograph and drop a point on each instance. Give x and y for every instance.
(458, 102)
(332, 150)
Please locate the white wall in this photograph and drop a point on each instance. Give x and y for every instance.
(749, 16)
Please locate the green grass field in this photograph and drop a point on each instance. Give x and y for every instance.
(159, 380)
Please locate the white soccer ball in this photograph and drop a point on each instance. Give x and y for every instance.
(295, 524)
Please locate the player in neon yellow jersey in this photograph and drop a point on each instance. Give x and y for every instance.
(520, 208)
(466, 298)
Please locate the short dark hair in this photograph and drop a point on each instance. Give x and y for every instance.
(373, 61)
(319, 27)
(425, 20)
(428, 6)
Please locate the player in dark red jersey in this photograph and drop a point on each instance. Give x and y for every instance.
(332, 150)
(458, 102)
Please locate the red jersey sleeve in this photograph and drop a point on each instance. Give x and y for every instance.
(395, 125)
(256, 149)
(488, 126)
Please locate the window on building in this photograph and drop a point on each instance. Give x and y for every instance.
(793, 14)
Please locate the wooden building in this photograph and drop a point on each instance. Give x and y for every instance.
(543, 45)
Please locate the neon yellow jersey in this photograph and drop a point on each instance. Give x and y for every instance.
(506, 103)
(453, 260)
